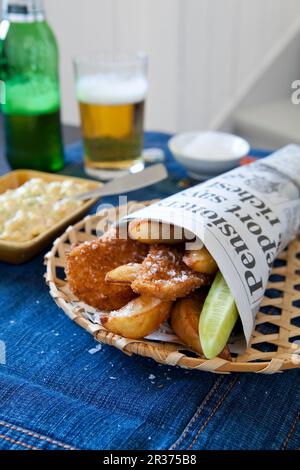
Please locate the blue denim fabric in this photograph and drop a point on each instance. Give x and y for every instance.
(54, 394)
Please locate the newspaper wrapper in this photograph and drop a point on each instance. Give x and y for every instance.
(245, 218)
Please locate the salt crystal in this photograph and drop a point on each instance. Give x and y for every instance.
(151, 377)
(113, 378)
(95, 349)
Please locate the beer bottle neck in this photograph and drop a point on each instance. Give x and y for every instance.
(23, 11)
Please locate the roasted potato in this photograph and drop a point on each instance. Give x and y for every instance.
(138, 318)
(150, 231)
(125, 274)
(185, 320)
(200, 261)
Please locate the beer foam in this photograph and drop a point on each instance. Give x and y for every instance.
(111, 90)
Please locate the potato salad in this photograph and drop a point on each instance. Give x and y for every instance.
(36, 206)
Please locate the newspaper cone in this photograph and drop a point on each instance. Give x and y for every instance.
(245, 218)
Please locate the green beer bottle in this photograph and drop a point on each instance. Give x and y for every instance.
(30, 87)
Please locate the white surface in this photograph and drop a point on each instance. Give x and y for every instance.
(202, 52)
(208, 153)
(270, 125)
(214, 146)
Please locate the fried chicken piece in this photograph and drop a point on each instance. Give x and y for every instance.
(163, 275)
(88, 264)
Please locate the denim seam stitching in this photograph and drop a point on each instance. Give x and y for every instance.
(204, 402)
(213, 412)
(35, 435)
(23, 444)
(292, 430)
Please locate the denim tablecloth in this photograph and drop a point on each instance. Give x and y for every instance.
(56, 394)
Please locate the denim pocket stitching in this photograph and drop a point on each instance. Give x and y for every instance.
(214, 410)
(22, 444)
(35, 435)
(292, 431)
(204, 402)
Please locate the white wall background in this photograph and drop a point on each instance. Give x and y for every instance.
(204, 54)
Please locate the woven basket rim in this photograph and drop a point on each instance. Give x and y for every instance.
(165, 353)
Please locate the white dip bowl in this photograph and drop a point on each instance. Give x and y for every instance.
(208, 154)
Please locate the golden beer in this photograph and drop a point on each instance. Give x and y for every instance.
(112, 118)
(112, 134)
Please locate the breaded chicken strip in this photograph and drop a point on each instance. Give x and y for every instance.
(88, 263)
(163, 275)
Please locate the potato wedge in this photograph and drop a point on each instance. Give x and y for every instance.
(125, 274)
(200, 261)
(150, 231)
(185, 319)
(138, 318)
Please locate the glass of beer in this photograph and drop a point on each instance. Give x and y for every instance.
(111, 91)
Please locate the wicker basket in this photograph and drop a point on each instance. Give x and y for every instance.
(272, 347)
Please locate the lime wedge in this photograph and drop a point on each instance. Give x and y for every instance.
(218, 317)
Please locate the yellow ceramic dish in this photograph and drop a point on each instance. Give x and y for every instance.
(20, 252)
